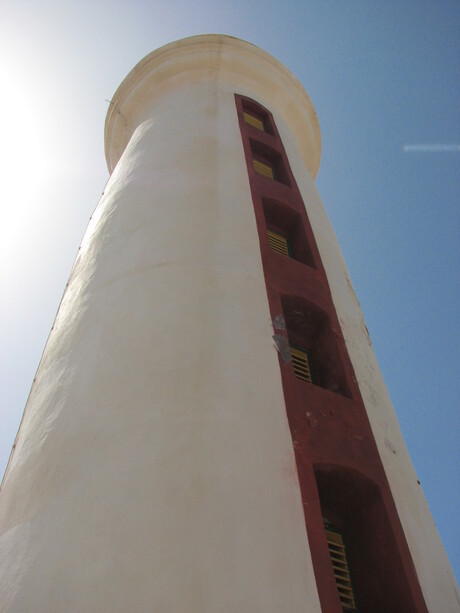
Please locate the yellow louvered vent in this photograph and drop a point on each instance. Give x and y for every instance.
(341, 570)
(254, 121)
(278, 242)
(263, 169)
(301, 364)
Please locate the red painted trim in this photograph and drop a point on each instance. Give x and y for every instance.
(331, 432)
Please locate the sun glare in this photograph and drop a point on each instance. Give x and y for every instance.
(22, 156)
(24, 163)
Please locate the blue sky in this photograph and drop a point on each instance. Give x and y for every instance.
(382, 75)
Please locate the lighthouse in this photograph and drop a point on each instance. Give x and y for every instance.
(208, 430)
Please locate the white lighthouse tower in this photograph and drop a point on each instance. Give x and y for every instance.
(208, 430)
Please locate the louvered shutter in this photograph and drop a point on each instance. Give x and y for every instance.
(301, 364)
(341, 571)
(254, 121)
(278, 242)
(263, 169)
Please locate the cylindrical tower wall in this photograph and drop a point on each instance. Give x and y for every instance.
(154, 468)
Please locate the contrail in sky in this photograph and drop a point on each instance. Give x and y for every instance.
(434, 148)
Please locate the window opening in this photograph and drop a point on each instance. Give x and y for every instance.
(257, 116)
(268, 162)
(352, 508)
(309, 332)
(284, 221)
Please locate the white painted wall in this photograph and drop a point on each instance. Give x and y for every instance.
(154, 468)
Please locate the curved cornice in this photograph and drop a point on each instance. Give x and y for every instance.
(252, 70)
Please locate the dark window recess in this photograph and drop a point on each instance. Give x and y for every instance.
(282, 220)
(268, 162)
(256, 116)
(309, 329)
(353, 504)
